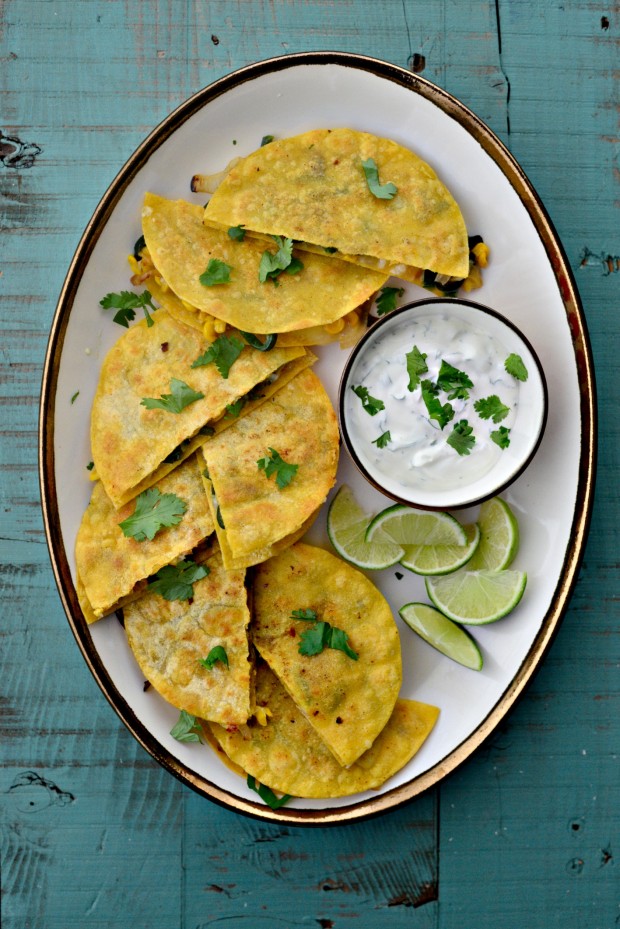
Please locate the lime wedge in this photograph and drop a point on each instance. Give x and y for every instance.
(476, 597)
(406, 526)
(442, 634)
(346, 527)
(499, 537)
(441, 559)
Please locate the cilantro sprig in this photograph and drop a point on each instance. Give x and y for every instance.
(386, 301)
(442, 413)
(181, 395)
(223, 353)
(515, 366)
(126, 303)
(237, 233)
(455, 383)
(176, 582)
(501, 437)
(382, 440)
(321, 635)
(461, 439)
(371, 404)
(381, 191)
(416, 365)
(217, 653)
(274, 464)
(491, 408)
(186, 729)
(153, 511)
(273, 264)
(217, 272)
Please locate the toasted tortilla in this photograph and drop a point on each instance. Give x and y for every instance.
(181, 246)
(287, 755)
(112, 567)
(169, 639)
(312, 189)
(346, 701)
(130, 443)
(300, 424)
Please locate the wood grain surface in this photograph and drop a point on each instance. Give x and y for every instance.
(94, 833)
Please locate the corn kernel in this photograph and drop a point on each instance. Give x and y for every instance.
(335, 327)
(481, 254)
(474, 280)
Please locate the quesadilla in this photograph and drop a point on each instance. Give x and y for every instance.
(314, 292)
(287, 755)
(360, 197)
(113, 567)
(195, 652)
(329, 636)
(296, 432)
(141, 424)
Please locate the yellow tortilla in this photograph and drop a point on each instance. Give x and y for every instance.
(181, 246)
(287, 755)
(300, 424)
(130, 442)
(346, 701)
(112, 566)
(312, 188)
(169, 639)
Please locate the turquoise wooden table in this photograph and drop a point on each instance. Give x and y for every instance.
(94, 832)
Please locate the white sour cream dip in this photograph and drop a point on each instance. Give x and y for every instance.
(417, 458)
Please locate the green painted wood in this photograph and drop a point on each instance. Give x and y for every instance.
(93, 833)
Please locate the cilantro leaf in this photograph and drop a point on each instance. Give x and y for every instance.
(272, 265)
(234, 409)
(266, 794)
(154, 511)
(416, 365)
(386, 301)
(223, 353)
(501, 436)
(237, 233)
(382, 440)
(454, 382)
(266, 139)
(514, 365)
(127, 302)
(217, 653)
(217, 272)
(461, 438)
(180, 396)
(308, 616)
(491, 408)
(441, 413)
(175, 582)
(381, 191)
(371, 404)
(323, 635)
(274, 464)
(186, 729)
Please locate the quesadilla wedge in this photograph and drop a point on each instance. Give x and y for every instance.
(287, 755)
(299, 598)
(113, 567)
(251, 510)
(134, 440)
(182, 249)
(364, 198)
(195, 652)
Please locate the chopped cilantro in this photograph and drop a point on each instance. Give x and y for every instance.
(514, 365)
(153, 511)
(266, 139)
(272, 265)
(441, 413)
(175, 582)
(381, 191)
(386, 301)
(237, 233)
(323, 635)
(461, 438)
(90, 465)
(416, 365)
(274, 464)
(186, 729)
(217, 653)
(127, 302)
(266, 794)
(234, 409)
(454, 382)
(217, 272)
(371, 404)
(75, 396)
(308, 616)
(180, 396)
(223, 353)
(501, 436)
(382, 440)
(491, 408)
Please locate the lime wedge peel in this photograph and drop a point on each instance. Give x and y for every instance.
(442, 634)
(499, 537)
(476, 598)
(346, 528)
(441, 559)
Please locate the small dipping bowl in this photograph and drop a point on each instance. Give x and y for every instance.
(388, 430)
